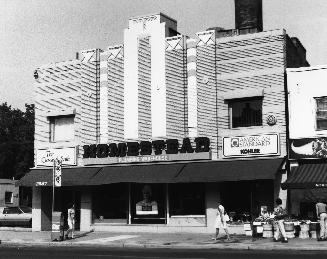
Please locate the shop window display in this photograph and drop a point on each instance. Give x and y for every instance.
(244, 200)
(148, 204)
(186, 199)
(110, 203)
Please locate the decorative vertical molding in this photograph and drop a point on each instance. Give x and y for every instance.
(90, 72)
(144, 88)
(103, 123)
(140, 27)
(158, 82)
(116, 93)
(206, 81)
(131, 84)
(176, 87)
(192, 89)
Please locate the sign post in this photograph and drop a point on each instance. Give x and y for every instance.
(56, 216)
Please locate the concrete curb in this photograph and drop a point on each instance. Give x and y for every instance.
(244, 246)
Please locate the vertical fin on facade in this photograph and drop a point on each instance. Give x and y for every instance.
(90, 86)
(207, 88)
(115, 93)
(103, 98)
(192, 102)
(176, 87)
(144, 88)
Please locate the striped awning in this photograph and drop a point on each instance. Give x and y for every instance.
(307, 176)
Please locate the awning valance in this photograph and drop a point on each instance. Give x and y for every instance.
(307, 176)
(204, 171)
(237, 170)
(69, 176)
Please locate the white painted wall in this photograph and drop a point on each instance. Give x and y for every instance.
(86, 211)
(153, 27)
(304, 84)
(36, 209)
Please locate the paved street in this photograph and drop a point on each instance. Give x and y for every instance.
(97, 252)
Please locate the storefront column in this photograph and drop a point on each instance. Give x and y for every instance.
(282, 194)
(86, 210)
(212, 197)
(36, 209)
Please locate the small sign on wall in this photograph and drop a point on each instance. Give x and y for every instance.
(251, 145)
(45, 157)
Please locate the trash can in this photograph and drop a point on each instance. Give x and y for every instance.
(58, 223)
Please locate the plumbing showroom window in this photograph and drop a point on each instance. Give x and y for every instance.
(321, 113)
(186, 199)
(9, 197)
(245, 112)
(62, 128)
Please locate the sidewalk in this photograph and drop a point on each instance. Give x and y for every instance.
(159, 240)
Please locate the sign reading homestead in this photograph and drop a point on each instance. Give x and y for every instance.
(146, 151)
(254, 145)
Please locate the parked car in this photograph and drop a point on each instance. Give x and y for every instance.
(16, 216)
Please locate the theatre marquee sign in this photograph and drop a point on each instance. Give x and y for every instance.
(252, 145)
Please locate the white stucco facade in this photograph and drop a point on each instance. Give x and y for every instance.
(304, 85)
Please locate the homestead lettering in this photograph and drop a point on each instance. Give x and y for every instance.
(156, 147)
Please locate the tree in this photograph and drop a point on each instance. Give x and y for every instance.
(16, 140)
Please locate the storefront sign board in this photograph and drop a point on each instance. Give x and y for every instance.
(146, 159)
(308, 148)
(251, 145)
(45, 157)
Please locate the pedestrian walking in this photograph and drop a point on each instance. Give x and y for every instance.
(321, 209)
(221, 221)
(71, 222)
(280, 214)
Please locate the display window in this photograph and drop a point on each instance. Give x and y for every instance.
(244, 200)
(148, 203)
(186, 199)
(110, 203)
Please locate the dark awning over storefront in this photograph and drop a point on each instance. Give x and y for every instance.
(307, 176)
(205, 171)
(145, 173)
(220, 171)
(69, 176)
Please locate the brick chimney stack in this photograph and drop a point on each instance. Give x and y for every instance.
(248, 16)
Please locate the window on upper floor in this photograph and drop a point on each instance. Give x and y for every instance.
(62, 128)
(245, 112)
(321, 113)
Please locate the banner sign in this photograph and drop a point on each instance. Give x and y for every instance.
(308, 148)
(57, 173)
(253, 145)
(45, 157)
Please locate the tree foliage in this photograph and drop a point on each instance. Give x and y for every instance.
(16, 140)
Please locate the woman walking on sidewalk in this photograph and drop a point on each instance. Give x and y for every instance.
(221, 221)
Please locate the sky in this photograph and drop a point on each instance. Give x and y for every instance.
(38, 32)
